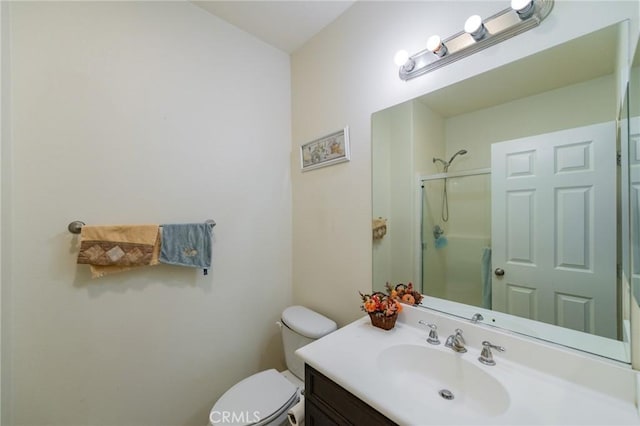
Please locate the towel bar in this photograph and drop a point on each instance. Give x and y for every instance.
(76, 226)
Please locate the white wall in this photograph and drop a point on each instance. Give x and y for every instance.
(141, 112)
(381, 201)
(400, 225)
(429, 140)
(406, 135)
(393, 155)
(344, 75)
(581, 104)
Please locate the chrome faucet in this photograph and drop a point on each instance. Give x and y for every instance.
(433, 333)
(476, 317)
(486, 357)
(456, 342)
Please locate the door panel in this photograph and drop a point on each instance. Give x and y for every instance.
(575, 312)
(574, 224)
(520, 226)
(522, 301)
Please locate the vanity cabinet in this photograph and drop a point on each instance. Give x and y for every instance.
(327, 403)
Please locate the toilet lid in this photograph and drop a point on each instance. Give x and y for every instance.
(253, 400)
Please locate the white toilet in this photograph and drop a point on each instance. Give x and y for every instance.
(265, 397)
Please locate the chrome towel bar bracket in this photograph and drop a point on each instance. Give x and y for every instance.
(75, 227)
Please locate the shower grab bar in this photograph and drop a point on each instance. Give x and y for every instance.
(76, 226)
(473, 172)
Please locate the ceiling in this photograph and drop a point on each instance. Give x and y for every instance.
(286, 25)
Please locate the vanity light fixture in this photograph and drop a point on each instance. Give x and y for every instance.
(478, 34)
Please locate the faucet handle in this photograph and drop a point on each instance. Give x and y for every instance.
(433, 333)
(486, 356)
(489, 345)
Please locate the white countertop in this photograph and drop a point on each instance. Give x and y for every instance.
(350, 357)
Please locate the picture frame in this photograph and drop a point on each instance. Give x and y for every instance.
(325, 151)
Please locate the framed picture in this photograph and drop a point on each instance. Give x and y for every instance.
(328, 150)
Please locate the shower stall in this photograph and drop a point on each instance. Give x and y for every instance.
(455, 233)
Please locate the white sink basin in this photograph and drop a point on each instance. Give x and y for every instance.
(434, 375)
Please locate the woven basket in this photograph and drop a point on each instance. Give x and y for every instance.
(383, 322)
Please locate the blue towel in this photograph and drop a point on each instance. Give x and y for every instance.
(485, 268)
(187, 244)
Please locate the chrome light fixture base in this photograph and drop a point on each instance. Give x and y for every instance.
(499, 27)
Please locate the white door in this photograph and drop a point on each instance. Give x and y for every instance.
(554, 228)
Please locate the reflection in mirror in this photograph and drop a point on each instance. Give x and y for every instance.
(633, 107)
(501, 191)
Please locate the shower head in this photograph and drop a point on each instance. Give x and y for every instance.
(461, 152)
(446, 164)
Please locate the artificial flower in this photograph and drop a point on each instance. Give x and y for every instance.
(405, 293)
(379, 303)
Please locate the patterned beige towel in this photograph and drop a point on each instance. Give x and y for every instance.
(117, 248)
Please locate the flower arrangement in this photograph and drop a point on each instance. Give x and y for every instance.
(380, 304)
(405, 293)
(382, 309)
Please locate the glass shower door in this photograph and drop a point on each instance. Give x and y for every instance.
(456, 238)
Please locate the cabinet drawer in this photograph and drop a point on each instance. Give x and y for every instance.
(317, 416)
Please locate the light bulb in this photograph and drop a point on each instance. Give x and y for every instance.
(401, 57)
(474, 27)
(472, 24)
(524, 8)
(435, 45)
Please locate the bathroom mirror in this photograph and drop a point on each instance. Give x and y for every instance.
(633, 125)
(502, 196)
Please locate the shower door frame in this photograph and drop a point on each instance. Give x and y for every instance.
(463, 173)
(419, 211)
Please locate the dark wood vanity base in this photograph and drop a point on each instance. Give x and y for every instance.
(327, 403)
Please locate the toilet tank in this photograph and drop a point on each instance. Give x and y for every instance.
(301, 326)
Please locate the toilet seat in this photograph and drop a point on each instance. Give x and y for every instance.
(255, 401)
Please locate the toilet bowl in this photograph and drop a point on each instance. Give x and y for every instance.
(261, 399)
(265, 397)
